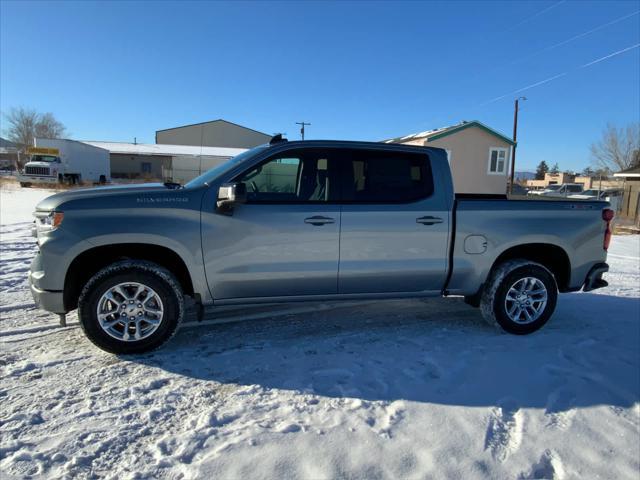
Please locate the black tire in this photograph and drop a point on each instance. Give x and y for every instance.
(146, 273)
(502, 277)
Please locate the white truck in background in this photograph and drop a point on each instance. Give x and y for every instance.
(65, 161)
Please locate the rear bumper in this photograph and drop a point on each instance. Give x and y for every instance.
(45, 299)
(594, 277)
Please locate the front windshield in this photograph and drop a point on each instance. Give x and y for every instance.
(44, 158)
(210, 175)
(553, 188)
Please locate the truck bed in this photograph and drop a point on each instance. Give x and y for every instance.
(488, 228)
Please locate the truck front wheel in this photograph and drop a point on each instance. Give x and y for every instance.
(131, 307)
(519, 297)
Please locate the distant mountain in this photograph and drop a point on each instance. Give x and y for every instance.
(525, 175)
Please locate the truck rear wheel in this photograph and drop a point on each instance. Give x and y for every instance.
(131, 307)
(520, 296)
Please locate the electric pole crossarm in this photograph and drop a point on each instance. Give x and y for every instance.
(302, 124)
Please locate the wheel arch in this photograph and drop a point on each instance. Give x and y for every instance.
(551, 256)
(91, 261)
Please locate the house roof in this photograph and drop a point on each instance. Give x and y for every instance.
(219, 120)
(430, 135)
(629, 172)
(7, 146)
(166, 150)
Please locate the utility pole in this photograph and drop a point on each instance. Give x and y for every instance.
(302, 128)
(515, 136)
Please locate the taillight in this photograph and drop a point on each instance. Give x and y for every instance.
(607, 216)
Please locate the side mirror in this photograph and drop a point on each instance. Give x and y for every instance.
(229, 194)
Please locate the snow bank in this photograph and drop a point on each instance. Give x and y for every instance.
(397, 389)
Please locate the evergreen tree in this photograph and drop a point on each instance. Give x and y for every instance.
(555, 169)
(541, 169)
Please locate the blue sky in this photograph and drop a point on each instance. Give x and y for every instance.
(359, 70)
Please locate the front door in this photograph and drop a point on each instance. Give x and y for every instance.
(284, 241)
(394, 230)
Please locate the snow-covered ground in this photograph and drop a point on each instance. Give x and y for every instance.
(397, 389)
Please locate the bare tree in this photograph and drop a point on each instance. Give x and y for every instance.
(617, 149)
(49, 127)
(23, 125)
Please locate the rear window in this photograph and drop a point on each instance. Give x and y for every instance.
(386, 177)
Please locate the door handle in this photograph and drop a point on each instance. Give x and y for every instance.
(429, 220)
(319, 220)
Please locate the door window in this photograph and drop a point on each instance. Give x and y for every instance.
(293, 177)
(386, 177)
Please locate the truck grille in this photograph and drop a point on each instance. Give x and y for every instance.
(36, 170)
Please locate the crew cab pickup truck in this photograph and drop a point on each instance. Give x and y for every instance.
(302, 221)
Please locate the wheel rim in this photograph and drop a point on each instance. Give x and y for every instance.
(526, 300)
(130, 311)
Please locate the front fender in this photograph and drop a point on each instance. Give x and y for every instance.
(172, 228)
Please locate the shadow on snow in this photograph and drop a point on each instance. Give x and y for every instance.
(436, 351)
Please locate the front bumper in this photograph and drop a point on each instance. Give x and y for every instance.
(45, 299)
(36, 179)
(594, 277)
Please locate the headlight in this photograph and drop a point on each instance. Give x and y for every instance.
(47, 221)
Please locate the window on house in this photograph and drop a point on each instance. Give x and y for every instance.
(146, 167)
(497, 161)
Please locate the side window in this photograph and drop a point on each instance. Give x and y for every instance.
(497, 161)
(386, 177)
(294, 177)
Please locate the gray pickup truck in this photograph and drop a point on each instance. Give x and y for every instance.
(308, 221)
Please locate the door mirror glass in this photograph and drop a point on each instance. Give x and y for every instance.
(230, 194)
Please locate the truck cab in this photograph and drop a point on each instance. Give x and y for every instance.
(56, 160)
(44, 166)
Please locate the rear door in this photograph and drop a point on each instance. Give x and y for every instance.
(394, 228)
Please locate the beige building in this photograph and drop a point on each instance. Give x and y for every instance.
(216, 133)
(479, 156)
(566, 177)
